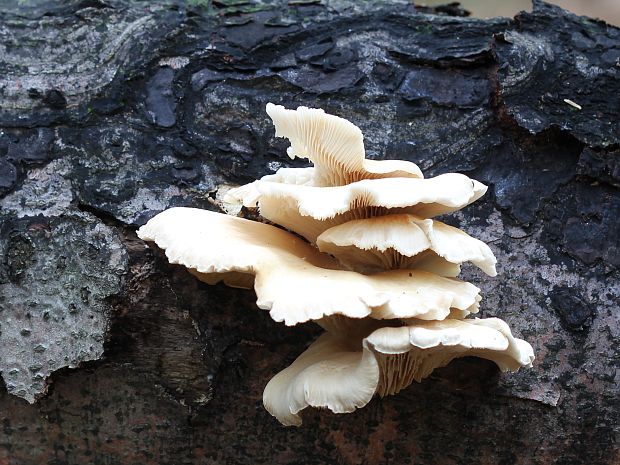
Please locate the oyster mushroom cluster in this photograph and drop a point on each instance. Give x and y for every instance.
(375, 270)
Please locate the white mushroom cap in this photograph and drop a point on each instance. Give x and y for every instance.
(294, 281)
(332, 373)
(310, 210)
(398, 241)
(343, 373)
(248, 195)
(334, 145)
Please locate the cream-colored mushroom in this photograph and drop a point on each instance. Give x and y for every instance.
(342, 373)
(412, 352)
(404, 241)
(384, 329)
(293, 280)
(310, 210)
(334, 145)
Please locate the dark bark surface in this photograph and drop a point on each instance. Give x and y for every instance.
(111, 111)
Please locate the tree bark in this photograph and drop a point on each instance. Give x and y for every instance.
(111, 111)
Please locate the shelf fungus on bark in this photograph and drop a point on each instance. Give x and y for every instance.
(405, 241)
(335, 146)
(377, 273)
(309, 210)
(343, 372)
(293, 280)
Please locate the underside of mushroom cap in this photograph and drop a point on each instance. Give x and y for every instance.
(334, 145)
(412, 352)
(404, 241)
(310, 210)
(342, 372)
(293, 280)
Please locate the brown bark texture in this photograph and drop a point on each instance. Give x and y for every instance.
(114, 110)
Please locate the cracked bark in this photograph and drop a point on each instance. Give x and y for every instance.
(116, 110)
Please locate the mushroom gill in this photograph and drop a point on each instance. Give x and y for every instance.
(405, 241)
(411, 353)
(309, 210)
(334, 145)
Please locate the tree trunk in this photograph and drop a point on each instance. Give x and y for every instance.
(112, 111)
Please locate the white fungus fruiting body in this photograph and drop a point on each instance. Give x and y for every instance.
(335, 146)
(405, 241)
(342, 372)
(293, 280)
(309, 210)
(378, 273)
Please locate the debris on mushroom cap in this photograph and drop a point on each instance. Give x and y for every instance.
(342, 373)
(310, 210)
(334, 145)
(294, 281)
(398, 241)
(220, 202)
(298, 176)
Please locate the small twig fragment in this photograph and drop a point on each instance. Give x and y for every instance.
(572, 104)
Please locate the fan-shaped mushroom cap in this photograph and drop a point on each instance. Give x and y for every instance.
(334, 145)
(398, 241)
(343, 373)
(332, 373)
(310, 210)
(294, 280)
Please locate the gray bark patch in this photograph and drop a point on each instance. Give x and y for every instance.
(56, 275)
